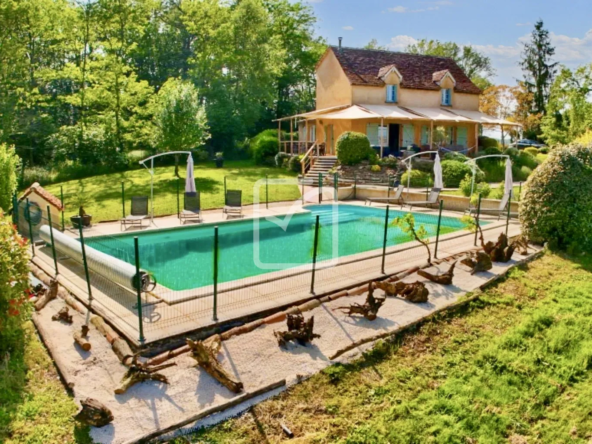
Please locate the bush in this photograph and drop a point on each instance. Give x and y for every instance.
(9, 165)
(390, 162)
(264, 147)
(459, 157)
(282, 159)
(453, 172)
(544, 150)
(418, 179)
(353, 148)
(498, 193)
(295, 164)
(491, 150)
(480, 187)
(376, 168)
(14, 282)
(488, 142)
(531, 150)
(556, 204)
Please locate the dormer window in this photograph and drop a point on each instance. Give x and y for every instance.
(392, 93)
(446, 96)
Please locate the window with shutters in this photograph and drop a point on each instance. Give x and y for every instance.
(372, 133)
(461, 136)
(447, 97)
(425, 135)
(408, 135)
(392, 93)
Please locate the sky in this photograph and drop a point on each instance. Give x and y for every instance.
(497, 28)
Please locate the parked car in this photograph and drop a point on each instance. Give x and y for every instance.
(525, 143)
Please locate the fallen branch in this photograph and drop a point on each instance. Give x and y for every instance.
(478, 262)
(205, 355)
(140, 372)
(44, 296)
(94, 413)
(442, 279)
(63, 315)
(370, 308)
(118, 344)
(415, 292)
(80, 338)
(298, 330)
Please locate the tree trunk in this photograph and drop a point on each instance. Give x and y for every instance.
(206, 359)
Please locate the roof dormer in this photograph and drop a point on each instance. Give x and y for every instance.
(390, 75)
(444, 79)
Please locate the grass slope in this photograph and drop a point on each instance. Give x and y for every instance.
(514, 366)
(34, 406)
(101, 195)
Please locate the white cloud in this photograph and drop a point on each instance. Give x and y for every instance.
(524, 24)
(399, 9)
(348, 28)
(400, 42)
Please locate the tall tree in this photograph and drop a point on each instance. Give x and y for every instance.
(498, 101)
(476, 65)
(538, 66)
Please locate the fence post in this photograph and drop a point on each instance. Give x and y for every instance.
(302, 188)
(519, 191)
(438, 229)
(388, 186)
(84, 260)
(320, 187)
(386, 222)
(477, 219)
(15, 209)
(62, 200)
(53, 252)
(508, 215)
(355, 186)
(138, 284)
(215, 318)
(178, 202)
(224, 188)
(28, 211)
(335, 187)
(266, 192)
(314, 254)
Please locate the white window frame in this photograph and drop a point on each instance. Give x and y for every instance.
(383, 134)
(389, 93)
(372, 133)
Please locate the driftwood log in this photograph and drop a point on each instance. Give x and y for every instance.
(118, 344)
(140, 372)
(94, 413)
(43, 295)
(80, 337)
(477, 262)
(298, 330)
(370, 308)
(415, 292)
(163, 357)
(63, 315)
(521, 244)
(443, 279)
(205, 353)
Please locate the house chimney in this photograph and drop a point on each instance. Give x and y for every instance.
(340, 40)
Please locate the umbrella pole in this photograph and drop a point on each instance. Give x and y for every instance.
(473, 178)
(152, 191)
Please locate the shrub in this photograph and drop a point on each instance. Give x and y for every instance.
(376, 168)
(453, 172)
(498, 193)
(353, 148)
(544, 150)
(488, 142)
(492, 150)
(531, 150)
(556, 204)
(9, 165)
(14, 282)
(282, 159)
(480, 187)
(264, 147)
(455, 156)
(418, 179)
(389, 162)
(295, 164)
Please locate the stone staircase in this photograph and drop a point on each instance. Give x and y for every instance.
(322, 165)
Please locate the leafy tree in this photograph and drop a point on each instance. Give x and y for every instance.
(476, 65)
(523, 111)
(538, 67)
(373, 44)
(180, 118)
(9, 165)
(498, 101)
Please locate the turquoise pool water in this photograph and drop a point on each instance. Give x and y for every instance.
(182, 258)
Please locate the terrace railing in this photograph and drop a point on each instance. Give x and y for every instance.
(295, 148)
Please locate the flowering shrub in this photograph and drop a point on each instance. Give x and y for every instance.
(14, 284)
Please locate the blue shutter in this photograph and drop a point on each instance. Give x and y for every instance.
(395, 93)
(391, 93)
(447, 96)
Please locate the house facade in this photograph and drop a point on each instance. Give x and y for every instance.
(398, 100)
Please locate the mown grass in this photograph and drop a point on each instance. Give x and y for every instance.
(458, 192)
(101, 195)
(34, 405)
(513, 366)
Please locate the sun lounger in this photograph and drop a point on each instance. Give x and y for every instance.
(139, 212)
(395, 198)
(501, 210)
(431, 201)
(233, 203)
(191, 208)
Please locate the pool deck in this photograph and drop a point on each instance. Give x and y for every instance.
(238, 300)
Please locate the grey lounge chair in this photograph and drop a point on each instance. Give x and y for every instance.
(502, 209)
(432, 200)
(233, 203)
(395, 198)
(191, 208)
(139, 212)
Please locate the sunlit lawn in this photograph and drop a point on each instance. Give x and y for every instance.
(101, 195)
(458, 192)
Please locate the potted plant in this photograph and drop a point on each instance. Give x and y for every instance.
(85, 219)
(219, 159)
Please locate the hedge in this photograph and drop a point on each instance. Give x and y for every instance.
(353, 148)
(453, 172)
(418, 179)
(556, 205)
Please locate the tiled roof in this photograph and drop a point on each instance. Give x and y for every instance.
(363, 67)
(438, 76)
(42, 192)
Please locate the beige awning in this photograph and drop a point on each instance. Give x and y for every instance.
(391, 112)
(312, 114)
(351, 113)
(439, 114)
(484, 119)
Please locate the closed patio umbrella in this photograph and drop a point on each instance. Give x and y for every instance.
(189, 179)
(438, 182)
(509, 180)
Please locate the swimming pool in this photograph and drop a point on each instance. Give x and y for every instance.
(182, 258)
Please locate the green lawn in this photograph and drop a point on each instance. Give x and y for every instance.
(101, 195)
(514, 366)
(458, 192)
